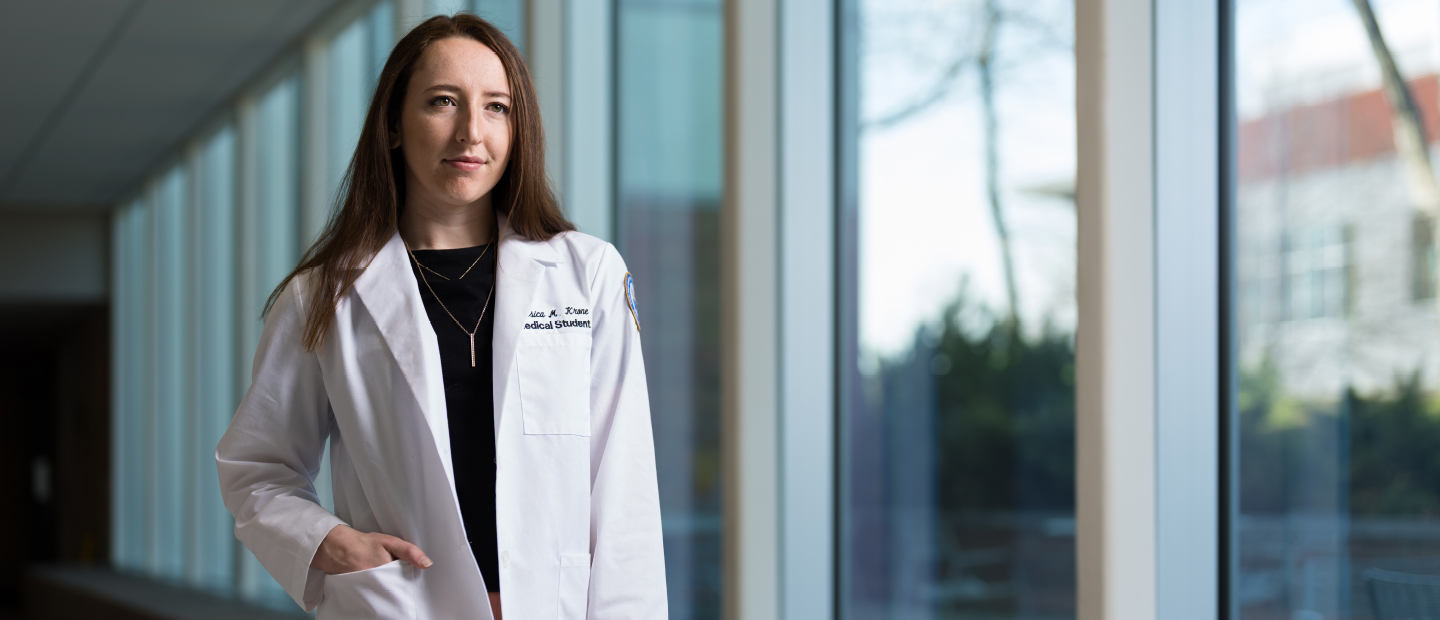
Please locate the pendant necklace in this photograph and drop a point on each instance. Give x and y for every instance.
(471, 333)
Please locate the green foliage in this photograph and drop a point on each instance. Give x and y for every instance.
(1386, 444)
(1005, 426)
(1395, 453)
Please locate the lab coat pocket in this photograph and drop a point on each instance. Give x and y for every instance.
(574, 585)
(384, 592)
(555, 383)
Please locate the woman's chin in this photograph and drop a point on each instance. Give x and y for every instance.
(463, 194)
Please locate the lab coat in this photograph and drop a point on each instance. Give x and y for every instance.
(577, 507)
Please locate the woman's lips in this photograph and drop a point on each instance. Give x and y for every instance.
(468, 164)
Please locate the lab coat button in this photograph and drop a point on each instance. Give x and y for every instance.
(504, 559)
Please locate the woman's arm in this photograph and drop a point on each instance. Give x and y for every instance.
(270, 455)
(627, 574)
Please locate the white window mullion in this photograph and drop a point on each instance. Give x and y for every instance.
(1187, 306)
(807, 302)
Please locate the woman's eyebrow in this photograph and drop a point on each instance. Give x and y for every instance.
(457, 89)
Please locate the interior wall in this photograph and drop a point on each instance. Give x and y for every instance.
(54, 393)
(54, 255)
(54, 438)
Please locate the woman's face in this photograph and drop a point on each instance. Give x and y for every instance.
(454, 124)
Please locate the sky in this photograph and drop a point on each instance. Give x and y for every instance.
(1290, 52)
(925, 224)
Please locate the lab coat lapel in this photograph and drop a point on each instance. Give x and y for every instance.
(518, 276)
(391, 294)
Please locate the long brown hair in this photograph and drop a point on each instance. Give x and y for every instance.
(373, 190)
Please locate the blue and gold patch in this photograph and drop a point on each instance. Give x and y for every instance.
(630, 299)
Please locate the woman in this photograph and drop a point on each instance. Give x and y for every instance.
(474, 363)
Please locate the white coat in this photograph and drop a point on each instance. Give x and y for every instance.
(577, 506)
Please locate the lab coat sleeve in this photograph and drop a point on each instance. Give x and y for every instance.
(270, 455)
(627, 574)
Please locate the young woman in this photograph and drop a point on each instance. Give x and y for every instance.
(474, 363)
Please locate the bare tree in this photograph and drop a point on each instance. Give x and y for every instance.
(1405, 120)
(992, 18)
(985, 64)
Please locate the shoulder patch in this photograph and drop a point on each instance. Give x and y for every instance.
(630, 299)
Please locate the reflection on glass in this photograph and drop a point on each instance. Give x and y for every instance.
(1337, 354)
(957, 310)
(668, 98)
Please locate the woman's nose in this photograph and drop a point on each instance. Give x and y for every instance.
(468, 131)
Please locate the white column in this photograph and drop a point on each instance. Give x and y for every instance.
(1115, 340)
(1187, 260)
(588, 148)
(749, 274)
(546, 59)
(315, 190)
(807, 308)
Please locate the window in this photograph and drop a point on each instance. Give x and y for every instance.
(133, 332)
(1422, 257)
(213, 340)
(507, 15)
(1338, 491)
(957, 309)
(1316, 271)
(270, 247)
(166, 421)
(668, 103)
(354, 60)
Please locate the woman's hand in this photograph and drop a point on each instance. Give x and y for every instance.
(346, 550)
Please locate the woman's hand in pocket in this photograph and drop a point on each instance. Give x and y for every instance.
(346, 550)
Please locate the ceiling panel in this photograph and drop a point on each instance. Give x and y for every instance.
(43, 47)
(171, 66)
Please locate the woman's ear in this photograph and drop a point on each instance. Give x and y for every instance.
(394, 135)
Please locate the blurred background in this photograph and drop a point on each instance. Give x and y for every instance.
(164, 163)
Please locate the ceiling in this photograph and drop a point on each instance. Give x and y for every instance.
(94, 92)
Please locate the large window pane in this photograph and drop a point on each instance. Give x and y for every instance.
(273, 249)
(213, 271)
(668, 102)
(957, 310)
(167, 420)
(129, 535)
(1337, 355)
(507, 15)
(355, 57)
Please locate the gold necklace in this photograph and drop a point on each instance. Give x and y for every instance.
(470, 333)
(462, 276)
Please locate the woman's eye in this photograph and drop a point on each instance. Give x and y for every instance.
(498, 108)
(442, 101)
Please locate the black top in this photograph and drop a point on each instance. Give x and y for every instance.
(469, 390)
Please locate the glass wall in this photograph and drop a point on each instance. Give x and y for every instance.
(132, 329)
(270, 248)
(211, 563)
(507, 15)
(200, 250)
(957, 310)
(1337, 349)
(167, 421)
(195, 257)
(354, 59)
(668, 181)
